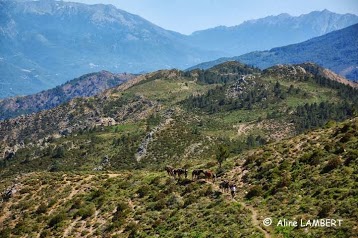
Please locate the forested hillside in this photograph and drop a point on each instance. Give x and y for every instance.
(95, 167)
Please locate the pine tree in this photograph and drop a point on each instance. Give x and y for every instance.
(222, 154)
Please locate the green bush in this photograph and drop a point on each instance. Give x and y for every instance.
(122, 211)
(143, 191)
(77, 204)
(255, 191)
(132, 228)
(45, 233)
(57, 219)
(86, 211)
(159, 205)
(325, 209)
(350, 156)
(41, 209)
(332, 164)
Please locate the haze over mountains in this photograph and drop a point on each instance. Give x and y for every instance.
(337, 51)
(46, 43)
(270, 32)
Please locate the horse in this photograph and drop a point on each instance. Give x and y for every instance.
(225, 185)
(170, 170)
(209, 175)
(180, 172)
(196, 173)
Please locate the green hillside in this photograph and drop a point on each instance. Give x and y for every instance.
(94, 167)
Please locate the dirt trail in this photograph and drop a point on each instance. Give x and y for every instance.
(236, 175)
(255, 219)
(111, 175)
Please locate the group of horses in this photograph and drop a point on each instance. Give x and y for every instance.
(176, 172)
(225, 185)
(196, 174)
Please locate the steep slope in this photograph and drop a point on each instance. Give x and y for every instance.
(308, 177)
(337, 51)
(84, 86)
(311, 176)
(269, 32)
(127, 204)
(72, 39)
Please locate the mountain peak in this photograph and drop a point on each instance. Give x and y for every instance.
(326, 11)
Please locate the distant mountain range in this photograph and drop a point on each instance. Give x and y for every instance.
(337, 51)
(46, 43)
(84, 86)
(270, 32)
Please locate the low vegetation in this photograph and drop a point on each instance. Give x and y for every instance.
(94, 167)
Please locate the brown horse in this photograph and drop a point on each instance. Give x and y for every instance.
(225, 185)
(180, 172)
(170, 170)
(209, 175)
(196, 173)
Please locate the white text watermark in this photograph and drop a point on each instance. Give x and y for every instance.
(325, 222)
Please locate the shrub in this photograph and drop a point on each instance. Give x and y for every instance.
(143, 191)
(190, 200)
(350, 156)
(77, 204)
(55, 220)
(132, 228)
(45, 233)
(5, 233)
(332, 164)
(161, 204)
(86, 211)
(156, 181)
(312, 158)
(255, 191)
(347, 137)
(249, 160)
(41, 209)
(96, 194)
(325, 209)
(122, 211)
(285, 180)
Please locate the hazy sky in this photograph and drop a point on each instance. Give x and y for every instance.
(186, 16)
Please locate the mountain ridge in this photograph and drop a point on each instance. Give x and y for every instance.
(73, 39)
(271, 31)
(138, 98)
(85, 86)
(336, 51)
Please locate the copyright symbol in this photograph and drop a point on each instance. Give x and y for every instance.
(267, 221)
